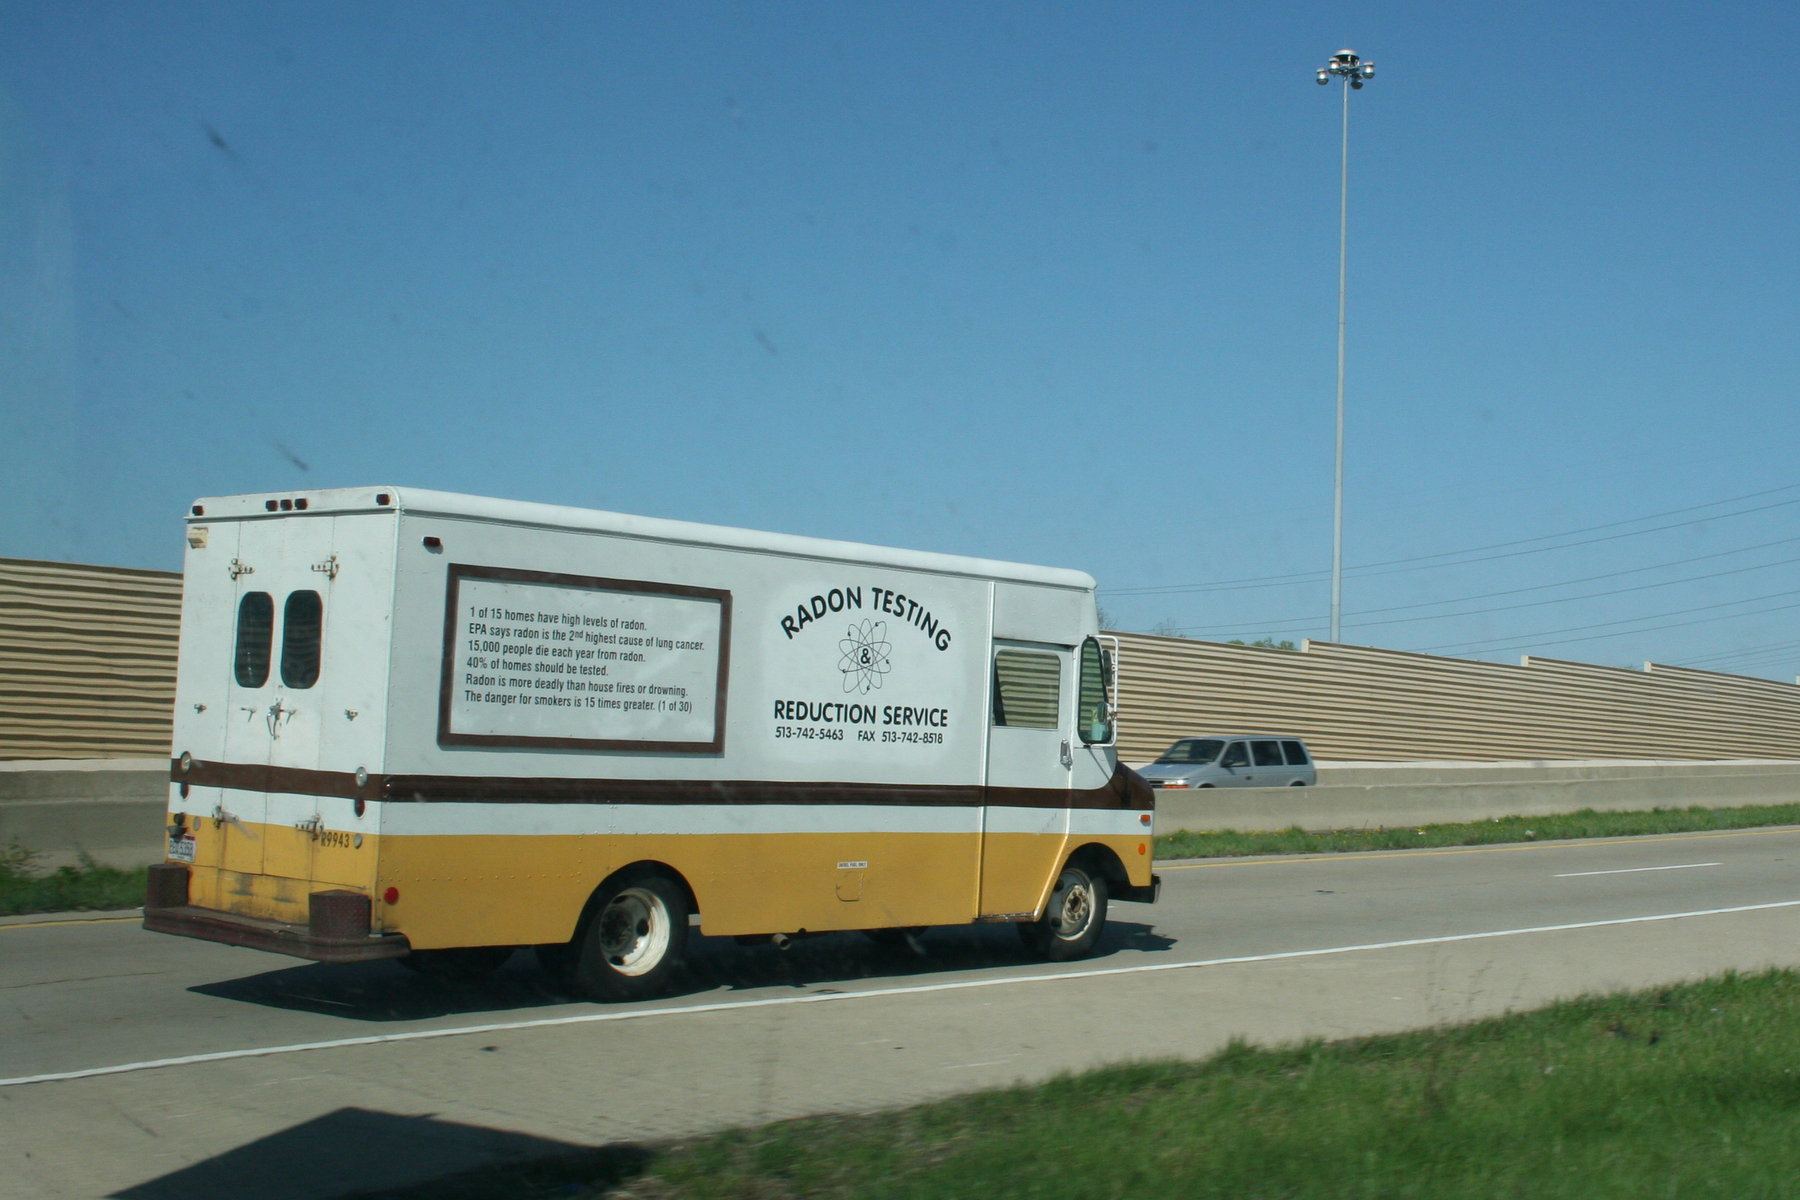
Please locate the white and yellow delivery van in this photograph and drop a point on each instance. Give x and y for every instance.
(437, 727)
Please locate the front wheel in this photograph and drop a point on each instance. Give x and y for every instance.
(634, 945)
(1073, 919)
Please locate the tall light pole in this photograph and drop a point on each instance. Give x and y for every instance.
(1353, 71)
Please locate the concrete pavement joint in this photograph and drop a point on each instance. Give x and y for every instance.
(870, 994)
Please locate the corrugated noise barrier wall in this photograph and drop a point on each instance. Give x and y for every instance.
(87, 670)
(87, 660)
(1358, 703)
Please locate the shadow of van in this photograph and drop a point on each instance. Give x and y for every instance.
(385, 991)
(355, 1151)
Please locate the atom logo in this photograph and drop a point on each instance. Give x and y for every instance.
(865, 656)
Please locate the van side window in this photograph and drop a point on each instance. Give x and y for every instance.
(1296, 753)
(302, 620)
(1027, 689)
(1236, 755)
(1268, 754)
(255, 631)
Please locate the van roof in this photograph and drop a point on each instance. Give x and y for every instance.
(421, 502)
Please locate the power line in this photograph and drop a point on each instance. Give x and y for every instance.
(1753, 653)
(1368, 569)
(1301, 622)
(1522, 638)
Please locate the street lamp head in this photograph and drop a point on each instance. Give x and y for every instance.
(1349, 67)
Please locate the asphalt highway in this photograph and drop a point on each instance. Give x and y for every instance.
(140, 1065)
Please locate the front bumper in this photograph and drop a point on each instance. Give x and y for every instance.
(1138, 895)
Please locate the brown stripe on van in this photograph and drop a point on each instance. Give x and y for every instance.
(1125, 789)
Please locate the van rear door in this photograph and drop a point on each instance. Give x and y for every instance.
(300, 579)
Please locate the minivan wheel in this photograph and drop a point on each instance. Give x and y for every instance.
(1073, 919)
(1298, 783)
(633, 946)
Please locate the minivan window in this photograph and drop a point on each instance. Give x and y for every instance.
(1236, 756)
(1193, 750)
(1027, 689)
(1093, 713)
(1296, 754)
(302, 620)
(1268, 754)
(255, 631)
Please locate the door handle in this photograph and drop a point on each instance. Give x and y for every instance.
(1068, 757)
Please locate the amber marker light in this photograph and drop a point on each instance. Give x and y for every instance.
(1141, 849)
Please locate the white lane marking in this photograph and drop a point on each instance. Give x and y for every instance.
(418, 1035)
(1635, 870)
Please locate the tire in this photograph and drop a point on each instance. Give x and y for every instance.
(1298, 783)
(1073, 919)
(464, 964)
(634, 945)
(1205, 785)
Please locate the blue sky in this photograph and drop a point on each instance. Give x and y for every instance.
(1048, 283)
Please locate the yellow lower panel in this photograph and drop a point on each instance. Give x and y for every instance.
(470, 890)
(1016, 870)
(231, 873)
(271, 897)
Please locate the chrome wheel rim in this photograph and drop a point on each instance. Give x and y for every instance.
(634, 931)
(1071, 905)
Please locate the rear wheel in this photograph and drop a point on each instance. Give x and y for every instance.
(1073, 919)
(634, 944)
(464, 964)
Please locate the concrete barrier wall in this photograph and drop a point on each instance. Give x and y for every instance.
(111, 808)
(1372, 795)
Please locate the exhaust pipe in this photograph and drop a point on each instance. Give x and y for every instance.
(782, 941)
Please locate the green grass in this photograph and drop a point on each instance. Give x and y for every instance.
(1584, 824)
(1686, 1091)
(67, 889)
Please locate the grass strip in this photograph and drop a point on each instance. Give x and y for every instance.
(1685, 1091)
(1587, 823)
(72, 889)
(87, 887)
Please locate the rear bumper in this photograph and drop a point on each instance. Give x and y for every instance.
(1138, 895)
(337, 929)
(278, 937)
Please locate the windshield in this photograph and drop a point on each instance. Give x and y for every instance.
(1193, 750)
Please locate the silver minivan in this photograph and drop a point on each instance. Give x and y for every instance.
(1234, 760)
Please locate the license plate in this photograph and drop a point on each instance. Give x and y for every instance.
(181, 849)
